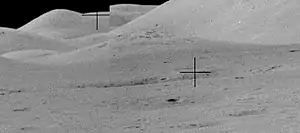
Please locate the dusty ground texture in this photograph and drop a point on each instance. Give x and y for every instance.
(250, 88)
(129, 81)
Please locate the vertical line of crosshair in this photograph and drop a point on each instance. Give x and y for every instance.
(97, 18)
(194, 72)
(195, 80)
(97, 21)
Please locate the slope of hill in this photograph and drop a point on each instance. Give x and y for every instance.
(15, 40)
(252, 21)
(121, 14)
(134, 85)
(66, 24)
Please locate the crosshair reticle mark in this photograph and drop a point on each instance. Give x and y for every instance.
(195, 72)
(97, 17)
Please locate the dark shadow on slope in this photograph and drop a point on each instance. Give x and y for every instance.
(194, 125)
(265, 69)
(150, 103)
(151, 80)
(4, 91)
(243, 113)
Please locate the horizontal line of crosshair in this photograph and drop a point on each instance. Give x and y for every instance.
(95, 14)
(194, 72)
(97, 17)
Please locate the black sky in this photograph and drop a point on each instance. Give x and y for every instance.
(16, 14)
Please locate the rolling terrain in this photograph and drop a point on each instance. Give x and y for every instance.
(130, 80)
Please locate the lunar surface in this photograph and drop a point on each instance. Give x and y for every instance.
(121, 14)
(136, 76)
(65, 24)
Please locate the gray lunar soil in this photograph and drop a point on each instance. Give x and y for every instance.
(127, 78)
